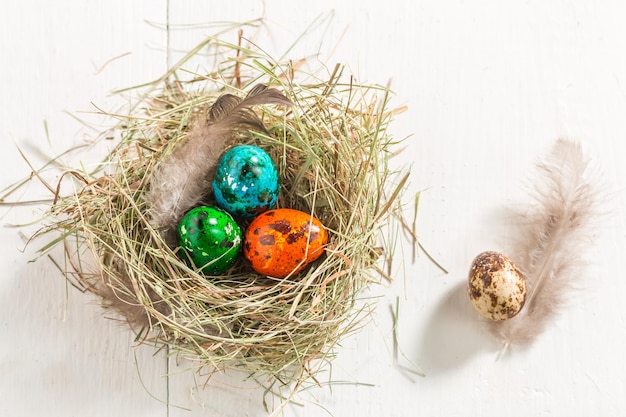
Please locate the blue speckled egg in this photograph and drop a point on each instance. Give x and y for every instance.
(246, 181)
(210, 239)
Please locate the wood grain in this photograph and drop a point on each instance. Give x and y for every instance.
(488, 87)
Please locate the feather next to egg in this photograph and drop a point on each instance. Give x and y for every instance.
(554, 234)
(183, 178)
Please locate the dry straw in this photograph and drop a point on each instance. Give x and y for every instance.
(332, 149)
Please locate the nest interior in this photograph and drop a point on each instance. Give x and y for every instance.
(332, 150)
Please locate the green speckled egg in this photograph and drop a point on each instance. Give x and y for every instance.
(246, 181)
(210, 238)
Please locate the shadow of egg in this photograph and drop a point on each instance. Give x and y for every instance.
(454, 333)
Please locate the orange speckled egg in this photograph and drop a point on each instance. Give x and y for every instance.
(283, 241)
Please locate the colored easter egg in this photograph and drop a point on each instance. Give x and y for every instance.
(246, 181)
(282, 242)
(211, 239)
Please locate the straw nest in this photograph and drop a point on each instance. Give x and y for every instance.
(331, 148)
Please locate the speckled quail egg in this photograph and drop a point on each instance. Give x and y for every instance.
(496, 286)
(246, 181)
(282, 242)
(210, 239)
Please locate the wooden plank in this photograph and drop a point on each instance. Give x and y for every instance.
(60, 354)
(488, 89)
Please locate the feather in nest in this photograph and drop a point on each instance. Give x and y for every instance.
(117, 285)
(183, 179)
(553, 237)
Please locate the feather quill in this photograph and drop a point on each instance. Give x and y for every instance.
(183, 179)
(553, 235)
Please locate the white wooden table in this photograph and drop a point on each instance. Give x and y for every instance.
(489, 86)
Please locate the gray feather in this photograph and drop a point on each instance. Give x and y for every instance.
(183, 178)
(553, 236)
